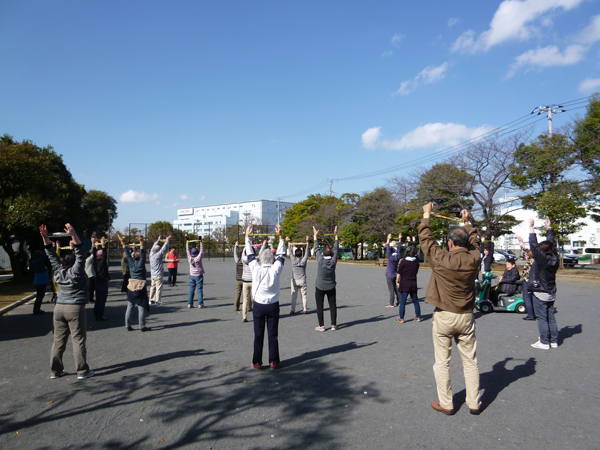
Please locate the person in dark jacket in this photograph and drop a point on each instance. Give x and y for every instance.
(137, 293)
(69, 312)
(406, 282)
(325, 283)
(508, 281)
(102, 279)
(390, 270)
(542, 284)
(40, 280)
(126, 273)
(487, 256)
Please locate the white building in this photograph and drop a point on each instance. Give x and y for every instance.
(588, 236)
(204, 220)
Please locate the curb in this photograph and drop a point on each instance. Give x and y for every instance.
(17, 303)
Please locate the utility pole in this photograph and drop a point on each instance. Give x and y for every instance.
(552, 109)
(278, 214)
(330, 183)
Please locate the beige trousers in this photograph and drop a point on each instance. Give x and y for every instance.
(69, 319)
(302, 285)
(247, 294)
(460, 327)
(156, 288)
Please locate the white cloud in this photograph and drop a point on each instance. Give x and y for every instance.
(370, 138)
(452, 21)
(590, 34)
(202, 198)
(396, 39)
(132, 196)
(548, 57)
(552, 56)
(185, 197)
(426, 76)
(513, 20)
(431, 135)
(387, 54)
(589, 85)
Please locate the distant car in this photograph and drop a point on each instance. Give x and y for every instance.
(569, 260)
(372, 255)
(499, 256)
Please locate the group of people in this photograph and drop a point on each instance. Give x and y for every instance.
(451, 290)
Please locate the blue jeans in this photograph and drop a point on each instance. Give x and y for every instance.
(196, 282)
(415, 300)
(101, 296)
(547, 327)
(527, 298)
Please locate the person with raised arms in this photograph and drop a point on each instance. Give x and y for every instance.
(299, 276)
(137, 293)
(265, 291)
(157, 270)
(325, 283)
(69, 312)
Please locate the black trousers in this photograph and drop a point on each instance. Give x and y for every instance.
(266, 313)
(173, 276)
(320, 300)
(40, 292)
(91, 288)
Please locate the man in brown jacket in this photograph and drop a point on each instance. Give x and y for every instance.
(452, 291)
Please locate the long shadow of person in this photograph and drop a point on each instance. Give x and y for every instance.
(497, 379)
(568, 332)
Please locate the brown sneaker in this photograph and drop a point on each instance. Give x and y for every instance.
(436, 405)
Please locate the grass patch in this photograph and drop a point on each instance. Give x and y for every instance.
(11, 291)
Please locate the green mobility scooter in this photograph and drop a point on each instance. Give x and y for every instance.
(506, 302)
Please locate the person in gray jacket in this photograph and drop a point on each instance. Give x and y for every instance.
(325, 284)
(298, 275)
(69, 312)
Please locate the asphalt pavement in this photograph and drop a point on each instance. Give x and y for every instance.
(188, 384)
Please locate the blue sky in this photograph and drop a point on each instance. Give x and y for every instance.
(168, 105)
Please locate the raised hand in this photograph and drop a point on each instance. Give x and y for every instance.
(249, 229)
(43, 231)
(428, 207)
(464, 214)
(278, 229)
(548, 224)
(70, 230)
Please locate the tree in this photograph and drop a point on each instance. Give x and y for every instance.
(489, 163)
(35, 187)
(96, 205)
(585, 137)
(540, 170)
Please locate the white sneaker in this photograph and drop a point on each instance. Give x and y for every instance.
(553, 345)
(89, 375)
(152, 303)
(158, 303)
(54, 377)
(539, 345)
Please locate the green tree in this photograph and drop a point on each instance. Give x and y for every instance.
(35, 187)
(96, 205)
(585, 137)
(540, 170)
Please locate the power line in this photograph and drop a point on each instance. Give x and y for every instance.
(508, 128)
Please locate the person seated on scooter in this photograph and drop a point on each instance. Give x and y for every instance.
(487, 256)
(508, 280)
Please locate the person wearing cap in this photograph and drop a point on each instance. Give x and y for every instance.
(156, 270)
(102, 279)
(265, 290)
(194, 257)
(508, 280)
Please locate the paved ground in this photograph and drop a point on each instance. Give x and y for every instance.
(188, 383)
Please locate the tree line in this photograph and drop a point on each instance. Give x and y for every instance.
(36, 187)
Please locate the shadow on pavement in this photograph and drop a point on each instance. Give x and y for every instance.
(499, 378)
(568, 332)
(307, 356)
(362, 321)
(23, 326)
(293, 409)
